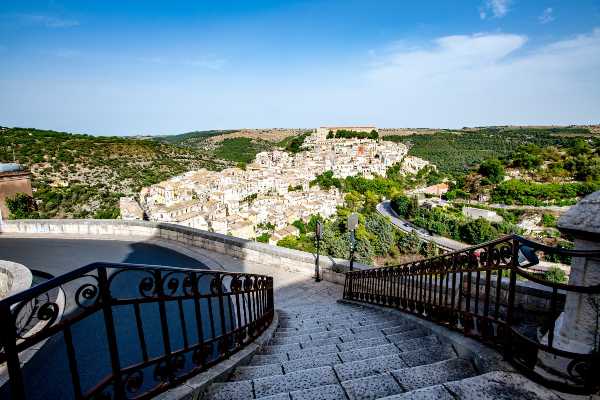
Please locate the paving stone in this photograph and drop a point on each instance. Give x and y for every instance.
(289, 340)
(311, 362)
(359, 344)
(412, 334)
(282, 348)
(418, 343)
(243, 373)
(434, 374)
(294, 332)
(368, 367)
(438, 392)
(259, 359)
(499, 386)
(312, 352)
(280, 396)
(299, 380)
(329, 392)
(230, 391)
(368, 352)
(372, 387)
(320, 342)
(362, 335)
(406, 326)
(330, 334)
(428, 356)
(378, 326)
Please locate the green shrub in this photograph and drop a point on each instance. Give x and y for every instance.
(556, 275)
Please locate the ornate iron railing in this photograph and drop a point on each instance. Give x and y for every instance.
(486, 292)
(127, 331)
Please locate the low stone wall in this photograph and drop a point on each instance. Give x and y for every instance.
(14, 278)
(245, 250)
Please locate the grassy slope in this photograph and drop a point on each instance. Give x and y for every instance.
(454, 152)
(83, 176)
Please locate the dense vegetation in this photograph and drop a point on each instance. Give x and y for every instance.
(455, 152)
(83, 176)
(293, 144)
(241, 149)
(346, 134)
(450, 222)
(192, 138)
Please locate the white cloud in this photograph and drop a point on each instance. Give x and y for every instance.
(490, 79)
(546, 16)
(498, 8)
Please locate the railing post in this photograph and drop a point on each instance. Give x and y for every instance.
(576, 327)
(511, 299)
(8, 338)
(111, 336)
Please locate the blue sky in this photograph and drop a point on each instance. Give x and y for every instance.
(157, 67)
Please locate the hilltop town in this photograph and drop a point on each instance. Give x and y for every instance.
(275, 190)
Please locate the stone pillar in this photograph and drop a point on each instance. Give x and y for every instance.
(576, 327)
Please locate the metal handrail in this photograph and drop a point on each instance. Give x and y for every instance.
(455, 290)
(201, 317)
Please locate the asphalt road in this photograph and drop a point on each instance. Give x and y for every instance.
(385, 209)
(47, 373)
(59, 256)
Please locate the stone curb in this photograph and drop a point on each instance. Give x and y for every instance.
(193, 388)
(18, 278)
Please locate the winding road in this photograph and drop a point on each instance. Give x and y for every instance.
(385, 208)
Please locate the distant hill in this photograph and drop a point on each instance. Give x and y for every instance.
(191, 137)
(83, 176)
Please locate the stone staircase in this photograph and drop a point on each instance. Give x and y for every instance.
(345, 351)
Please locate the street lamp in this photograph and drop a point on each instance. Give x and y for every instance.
(319, 236)
(352, 224)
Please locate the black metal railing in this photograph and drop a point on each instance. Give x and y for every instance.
(127, 331)
(486, 292)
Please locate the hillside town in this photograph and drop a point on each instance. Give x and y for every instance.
(272, 191)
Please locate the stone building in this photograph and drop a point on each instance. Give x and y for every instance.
(13, 179)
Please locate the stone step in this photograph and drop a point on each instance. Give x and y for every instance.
(371, 387)
(434, 374)
(311, 362)
(368, 367)
(244, 373)
(428, 355)
(312, 352)
(368, 352)
(496, 385)
(263, 359)
(327, 392)
(229, 391)
(299, 380)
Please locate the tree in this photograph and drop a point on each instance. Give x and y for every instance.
(382, 233)
(477, 231)
(21, 206)
(401, 204)
(493, 170)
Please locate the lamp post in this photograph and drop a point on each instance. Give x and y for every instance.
(352, 224)
(319, 236)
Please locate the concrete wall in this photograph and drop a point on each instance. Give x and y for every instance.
(242, 249)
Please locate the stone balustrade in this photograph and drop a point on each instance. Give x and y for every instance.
(245, 250)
